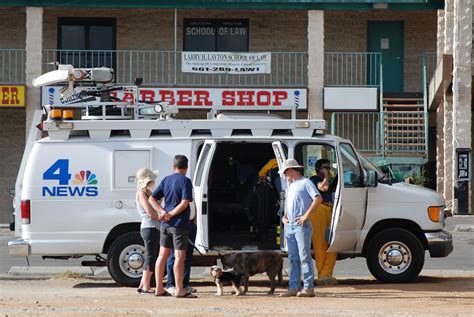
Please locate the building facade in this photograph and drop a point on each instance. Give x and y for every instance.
(364, 65)
(450, 104)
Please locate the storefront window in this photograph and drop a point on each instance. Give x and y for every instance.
(210, 35)
(95, 35)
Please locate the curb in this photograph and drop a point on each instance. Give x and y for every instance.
(464, 273)
(464, 228)
(42, 273)
(66, 271)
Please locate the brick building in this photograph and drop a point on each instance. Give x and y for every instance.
(384, 51)
(450, 104)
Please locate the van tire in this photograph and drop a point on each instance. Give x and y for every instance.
(125, 259)
(395, 256)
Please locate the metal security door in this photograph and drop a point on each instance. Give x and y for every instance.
(386, 37)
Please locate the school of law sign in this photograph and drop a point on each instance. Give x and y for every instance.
(226, 63)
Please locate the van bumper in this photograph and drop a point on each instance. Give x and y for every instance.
(19, 247)
(440, 243)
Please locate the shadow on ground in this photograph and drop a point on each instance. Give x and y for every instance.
(432, 287)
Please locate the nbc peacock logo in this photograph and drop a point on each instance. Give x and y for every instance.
(85, 178)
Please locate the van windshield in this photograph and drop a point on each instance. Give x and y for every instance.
(368, 165)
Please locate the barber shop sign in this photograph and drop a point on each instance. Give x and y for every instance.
(207, 98)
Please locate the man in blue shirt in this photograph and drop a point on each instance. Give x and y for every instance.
(177, 191)
(302, 199)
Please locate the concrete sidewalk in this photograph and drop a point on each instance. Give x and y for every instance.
(37, 272)
(48, 271)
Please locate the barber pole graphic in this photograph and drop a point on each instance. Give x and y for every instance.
(297, 98)
(51, 96)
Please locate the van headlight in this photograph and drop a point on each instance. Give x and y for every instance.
(436, 213)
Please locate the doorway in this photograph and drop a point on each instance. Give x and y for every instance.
(387, 37)
(243, 208)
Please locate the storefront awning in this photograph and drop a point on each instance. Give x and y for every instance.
(234, 4)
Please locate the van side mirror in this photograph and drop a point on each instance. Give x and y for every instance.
(371, 178)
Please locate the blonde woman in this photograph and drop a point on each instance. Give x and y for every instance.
(149, 226)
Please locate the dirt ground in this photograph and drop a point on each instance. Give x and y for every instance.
(65, 296)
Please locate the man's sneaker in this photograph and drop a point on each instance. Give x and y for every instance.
(190, 289)
(171, 290)
(289, 293)
(306, 292)
(325, 281)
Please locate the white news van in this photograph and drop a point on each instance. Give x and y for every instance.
(78, 193)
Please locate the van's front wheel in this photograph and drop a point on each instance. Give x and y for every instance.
(125, 259)
(395, 256)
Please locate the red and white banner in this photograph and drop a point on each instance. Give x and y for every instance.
(226, 63)
(206, 98)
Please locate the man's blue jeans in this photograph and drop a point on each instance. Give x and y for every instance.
(298, 241)
(187, 263)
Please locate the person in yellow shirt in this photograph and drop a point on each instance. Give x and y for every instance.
(270, 171)
(321, 221)
(271, 164)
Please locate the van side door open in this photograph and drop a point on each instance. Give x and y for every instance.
(350, 202)
(281, 156)
(200, 182)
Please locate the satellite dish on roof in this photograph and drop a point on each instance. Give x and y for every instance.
(53, 77)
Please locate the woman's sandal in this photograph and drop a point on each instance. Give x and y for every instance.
(144, 291)
(165, 293)
(148, 291)
(187, 295)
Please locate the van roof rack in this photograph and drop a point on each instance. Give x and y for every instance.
(101, 130)
(90, 93)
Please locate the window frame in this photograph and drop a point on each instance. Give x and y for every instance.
(298, 151)
(87, 23)
(361, 168)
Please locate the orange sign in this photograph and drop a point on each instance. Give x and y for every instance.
(12, 96)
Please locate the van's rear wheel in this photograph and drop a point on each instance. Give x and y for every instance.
(395, 256)
(125, 259)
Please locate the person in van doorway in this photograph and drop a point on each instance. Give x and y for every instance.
(148, 227)
(302, 199)
(270, 170)
(321, 221)
(170, 283)
(177, 191)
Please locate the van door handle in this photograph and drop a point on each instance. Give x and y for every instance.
(204, 195)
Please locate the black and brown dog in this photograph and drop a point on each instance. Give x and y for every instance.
(222, 278)
(251, 263)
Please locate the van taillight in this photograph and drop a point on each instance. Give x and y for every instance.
(25, 212)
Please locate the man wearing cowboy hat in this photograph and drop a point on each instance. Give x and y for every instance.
(302, 198)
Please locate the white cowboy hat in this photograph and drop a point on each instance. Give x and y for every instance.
(289, 163)
(144, 176)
